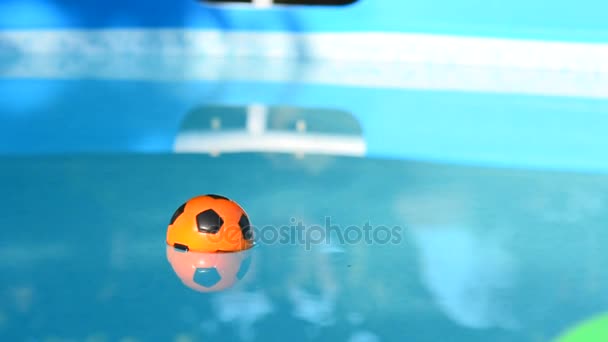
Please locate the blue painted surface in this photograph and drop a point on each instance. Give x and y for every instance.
(538, 19)
(54, 116)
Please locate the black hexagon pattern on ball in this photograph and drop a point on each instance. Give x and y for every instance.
(218, 197)
(206, 277)
(177, 212)
(181, 248)
(209, 222)
(245, 227)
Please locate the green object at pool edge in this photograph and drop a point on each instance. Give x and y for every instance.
(592, 330)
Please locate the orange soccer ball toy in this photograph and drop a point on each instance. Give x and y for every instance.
(210, 223)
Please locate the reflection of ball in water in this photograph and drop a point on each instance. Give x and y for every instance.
(595, 329)
(209, 272)
(210, 223)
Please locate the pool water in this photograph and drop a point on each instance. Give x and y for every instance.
(496, 203)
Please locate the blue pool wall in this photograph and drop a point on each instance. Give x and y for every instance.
(561, 20)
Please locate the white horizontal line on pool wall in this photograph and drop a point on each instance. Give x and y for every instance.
(374, 47)
(352, 59)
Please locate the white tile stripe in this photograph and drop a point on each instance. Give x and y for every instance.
(377, 47)
(357, 74)
(579, 70)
